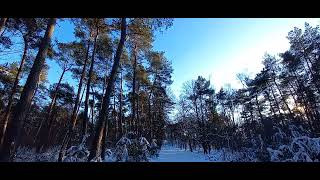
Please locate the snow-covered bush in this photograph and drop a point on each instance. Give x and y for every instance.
(49, 156)
(138, 150)
(144, 144)
(263, 155)
(301, 156)
(279, 137)
(153, 150)
(300, 149)
(275, 155)
(121, 151)
(77, 153)
(96, 159)
(26, 154)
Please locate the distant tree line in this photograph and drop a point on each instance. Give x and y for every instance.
(285, 93)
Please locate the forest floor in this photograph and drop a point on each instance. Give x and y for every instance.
(168, 153)
(171, 153)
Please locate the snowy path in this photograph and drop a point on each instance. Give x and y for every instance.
(173, 154)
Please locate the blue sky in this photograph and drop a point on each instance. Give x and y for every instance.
(221, 48)
(218, 48)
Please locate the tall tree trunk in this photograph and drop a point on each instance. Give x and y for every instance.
(92, 106)
(14, 127)
(270, 103)
(133, 106)
(201, 109)
(13, 92)
(197, 111)
(120, 107)
(84, 90)
(103, 116)
(103, 90)
(77, 101)
(104, 135)
(137, 128)
(2, 25)
(32, 102)
(149, 115)
(307, 59)
(258, 106)
(250, 110)
(302, 96)
(282, 97)
(292, 92)
(86, 106)
(45, 130)
(74, 116)
(275, 100)
(114, 116)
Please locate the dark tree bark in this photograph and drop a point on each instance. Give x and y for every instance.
(270, 103)
(92, 106)
(103, 90)
(103, 116)
(293, 92)
(8, 148)
(84, 90)
(313, 76)
(258, 107)
(149, 115)
(190, 145)
(133, 106)
(13, 92)
(106, 129)
(282, 97)
(34, 94)
(120, 107)
(275, 100)
(137, 124)
(86, 106)
(114, 114)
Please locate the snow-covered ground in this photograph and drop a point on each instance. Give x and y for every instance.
(299, 149)
(170, 153)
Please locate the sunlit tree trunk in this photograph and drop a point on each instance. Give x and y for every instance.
(14, 127)
(103, 116)
(103, 143)
(86, 106)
